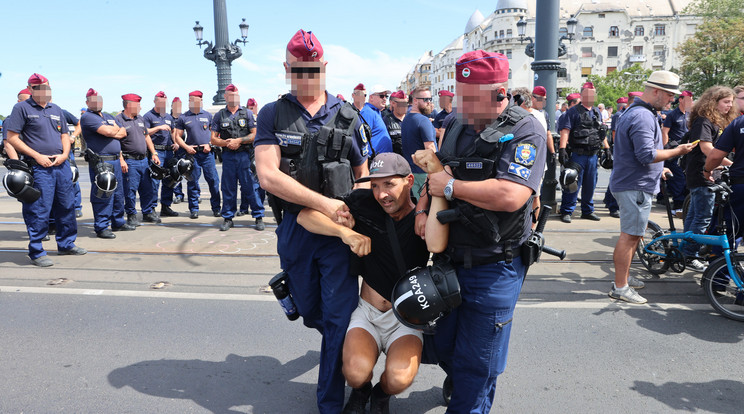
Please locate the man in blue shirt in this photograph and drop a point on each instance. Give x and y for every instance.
(635, 176)
(195, 123)
(159, 125)
(37, 129)
(674, 128)
(371, 114)
(418, 133)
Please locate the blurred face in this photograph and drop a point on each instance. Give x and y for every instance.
(41, 93)
(739, 101)
(445, 102)
(23, 96)
(477, 105)
(588, 97)
(132, 108)
(378, 100)
(538, 102)
(307, 79)
(176, 107)
(725, 104)
(400, 106)
(423, 102)
(253, 108)
(232, 98)
(685, 102)
(95, 103)
(195, 104)
(160, 105)
(358, 97)
(392, 193)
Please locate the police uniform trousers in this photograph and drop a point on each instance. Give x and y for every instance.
(136, 180)
(78, 201)
(206, 163)
(587, 181)
(325, 295)
(260, 192)
(236, 167)
(57, 198)
(472, 342)
(166, 194)
(677, 185)
(107, 210)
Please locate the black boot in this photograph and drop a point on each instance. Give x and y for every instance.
(167, 211)
(380, 403)
(358, 399)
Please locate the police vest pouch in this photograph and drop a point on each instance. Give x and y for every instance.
(337, 178)
(472, 168)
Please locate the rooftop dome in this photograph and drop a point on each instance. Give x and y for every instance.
(475, 19)
(511, 4)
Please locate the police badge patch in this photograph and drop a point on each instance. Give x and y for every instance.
(362, 134)
(204, 126)
(525, 154)
(241, 122)
(519, 171)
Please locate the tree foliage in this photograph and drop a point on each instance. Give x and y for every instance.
(714, 9)
(618, 83)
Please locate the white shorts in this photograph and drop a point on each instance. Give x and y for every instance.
(383, 326)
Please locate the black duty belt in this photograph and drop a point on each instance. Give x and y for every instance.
(585, 151)
(136, 157)
(163, 148)
(104, 157)
(737, 180)
(241, 148)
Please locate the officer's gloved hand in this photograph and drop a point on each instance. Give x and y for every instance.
(562, 156)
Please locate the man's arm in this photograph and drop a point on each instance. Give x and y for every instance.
(14, 139)
(564, 138)
(491, 194)
(10, 151)
(318, 223)
(112, 131)
(665, 135)
(177, 138)
(151, 148)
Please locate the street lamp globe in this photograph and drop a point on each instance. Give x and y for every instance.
(244, 29)
(521, 27)
(198, 32)
(571, 26)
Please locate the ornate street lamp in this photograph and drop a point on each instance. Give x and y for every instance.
(222, 53)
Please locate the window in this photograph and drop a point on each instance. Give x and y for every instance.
(510, 73)
(659, 50)
(509, 33)
(586, 71)
(501, 34)
(601, 15)
(659, 30)
(639, 31)
(508, 53)
(564, 32)
(611, 51)
(562, 73)
(637, 50)
(611, 69)
(588, 32)
(614, 31)
(586, 52)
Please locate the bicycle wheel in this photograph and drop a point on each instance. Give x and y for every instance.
(654, 263)
(721, 290)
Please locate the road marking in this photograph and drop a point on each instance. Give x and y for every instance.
(525, 304)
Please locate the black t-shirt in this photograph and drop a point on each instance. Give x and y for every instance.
(704, 130)
(379, 268)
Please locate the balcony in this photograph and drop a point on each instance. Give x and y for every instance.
(637, 58)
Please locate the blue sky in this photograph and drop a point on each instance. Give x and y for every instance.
(136, 46)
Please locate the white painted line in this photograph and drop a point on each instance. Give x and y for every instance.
(524, 304)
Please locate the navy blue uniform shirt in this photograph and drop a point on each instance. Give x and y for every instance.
(153, 119)
(196, 127)
(100, 144)
(40, 128)
(572, 117)
(676, 121)
(439, 119)
(732, 138)
(134, 143)
(217, 120)
(70, 118)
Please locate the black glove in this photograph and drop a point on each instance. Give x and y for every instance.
(562, 156)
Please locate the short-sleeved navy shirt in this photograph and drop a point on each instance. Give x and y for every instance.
(265, 133)
(704, 130)
(70, 118)
(134, 143)
(196, 127)
(217, 119)
(731, 139)
(100, 144)
(153, 119)
(39, 128)
(439, 119)
(572, 117)
(676, 121)
(415, 130)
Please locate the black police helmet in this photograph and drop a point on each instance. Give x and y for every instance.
(426, 294)
(19, 185)
(570, 177)
(75, 173)
(605, 160)
(186, 168)
(105, 184)
(156, 172)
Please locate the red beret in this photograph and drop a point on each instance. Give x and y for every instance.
(622, 100)
(481, 67)
(635, 93)
(442, 93)
(24, 92)
(37, 79)
(160, 94)
(539, 91)
(176, 99)
(132, 97)
(587, 85)
(360, 87)
(251, 102)
(686, 93)
(231, 88)
(572, 96)
(196, 93)
(341, 97)
(305, 46)
(91, 92)
(402, 95)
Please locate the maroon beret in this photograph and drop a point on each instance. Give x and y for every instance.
(132, 97)
(305, 46)
(360, 87)
(231, 88)
(572, 96)
(37, 79)
(539, 91)
(160, 94)
(402, 95)
(444, 93)
(91, 92)
(587, 85)
(176, 99)
(251, 102)
(196, 93)
(24, 91)
(686, 93)
(635, 93)
(341, 97)
(622, 100)
(481, 67)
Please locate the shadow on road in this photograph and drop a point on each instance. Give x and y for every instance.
(261, 382)
(719, 396)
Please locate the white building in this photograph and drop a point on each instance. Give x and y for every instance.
(610, 35)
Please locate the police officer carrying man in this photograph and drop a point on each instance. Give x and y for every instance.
(583, 133)
(159, 126)
(174, 114)
(195, 122)
(37, 129)
(102, 135)
(492, 196)
(134, 149)
(317, 266)
(394, 120)
(233, 129)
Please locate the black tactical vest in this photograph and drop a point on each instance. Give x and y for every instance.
(319, 161)
(479, 236)
(235, 127)
(394, 130)
(587, 134)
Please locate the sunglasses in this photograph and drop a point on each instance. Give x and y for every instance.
(41, 87)
(305, 71)
(382, 95)
(427, 100)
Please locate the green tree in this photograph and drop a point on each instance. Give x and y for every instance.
(715, 9)
(618, 83)
(714, 55)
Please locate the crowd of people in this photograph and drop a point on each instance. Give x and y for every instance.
(373, 190)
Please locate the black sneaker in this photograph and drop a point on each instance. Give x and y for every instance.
(166, 211)
(615, 214)
(52, 229)
(226, 225)
(447, 390)
(566, 218)
(194, 214)
(151, 218)
(380, 402)
(78, 213)
(216, 213)
(107, 234)
(132, 220)
(260, 226)
(358, 399)
(590, 216)
(75, 251)
(124, 227)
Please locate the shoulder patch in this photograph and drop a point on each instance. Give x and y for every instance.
(525, 154)
(362, 134)
(519, 171)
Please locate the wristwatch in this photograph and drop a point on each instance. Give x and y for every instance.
(449, 189)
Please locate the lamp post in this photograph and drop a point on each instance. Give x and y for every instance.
(222, 53)
(546, 49)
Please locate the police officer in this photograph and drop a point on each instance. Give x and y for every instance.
(233, 129)
(159, 125)
(583, 133)
(195, 123)
(609, 199)
(505, 148)
(37, 129)
(252, 106)
(10, 152)
(317, 266)
(394, 120)
(445, 103)
(175, 112)
(134, 150)
(674, 128)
